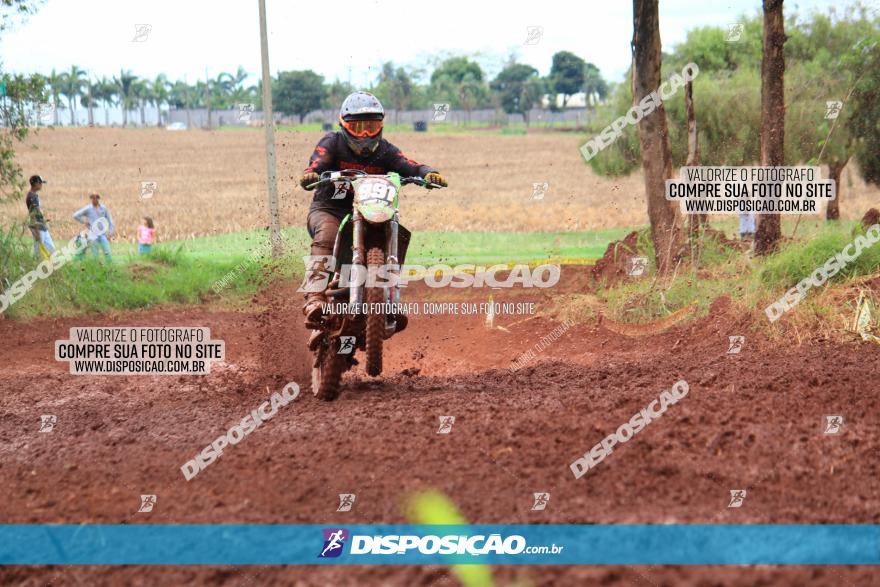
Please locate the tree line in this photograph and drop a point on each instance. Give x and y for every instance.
(458, 81)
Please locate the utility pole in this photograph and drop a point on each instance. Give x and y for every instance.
(269, 124)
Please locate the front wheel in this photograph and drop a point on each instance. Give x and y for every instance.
(375, 317)
(327, 374)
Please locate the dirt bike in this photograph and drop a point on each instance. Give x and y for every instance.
(372, 229)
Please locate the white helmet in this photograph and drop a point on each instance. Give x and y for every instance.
(361, 117)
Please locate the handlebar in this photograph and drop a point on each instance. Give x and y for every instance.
(349, 175)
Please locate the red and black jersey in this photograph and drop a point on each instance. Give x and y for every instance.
(332, 153)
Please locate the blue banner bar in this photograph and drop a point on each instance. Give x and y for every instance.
(252, 544)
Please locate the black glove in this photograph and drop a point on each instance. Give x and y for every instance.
(435, 177)
(308, 179)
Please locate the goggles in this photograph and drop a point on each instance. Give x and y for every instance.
(362, 128)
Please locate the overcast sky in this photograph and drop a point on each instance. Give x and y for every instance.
(189, 37)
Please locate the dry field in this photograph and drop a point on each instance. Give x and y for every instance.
(213, 182)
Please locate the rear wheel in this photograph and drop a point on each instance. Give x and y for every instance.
(327, 374)
(375, 319)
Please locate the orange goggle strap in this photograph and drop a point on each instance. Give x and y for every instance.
(362, 128)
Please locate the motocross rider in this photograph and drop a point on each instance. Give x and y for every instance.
(358, 145)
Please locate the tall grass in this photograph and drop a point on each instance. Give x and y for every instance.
(169, 275)
(794, 263)
(723, 271)
(15, 256)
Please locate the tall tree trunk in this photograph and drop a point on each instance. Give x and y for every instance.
(124, 114)
(70, 103)
(143, 115)
(665, 221)
(106, 114)
(772, 115)
(693, 158)
(91, 108)
(835, 170)
(55, 108)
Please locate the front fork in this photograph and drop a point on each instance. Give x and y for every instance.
(359, 272)
(392, 260)
(358, 268)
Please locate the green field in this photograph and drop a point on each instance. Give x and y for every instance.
(188, 272)
(426, 247)
(185, 272)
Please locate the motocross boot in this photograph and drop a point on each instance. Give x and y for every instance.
(316, 282)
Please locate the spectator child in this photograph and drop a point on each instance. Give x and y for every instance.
(146, 235)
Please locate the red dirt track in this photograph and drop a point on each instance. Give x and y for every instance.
(750, 421)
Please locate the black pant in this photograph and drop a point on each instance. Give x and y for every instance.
(323, 227)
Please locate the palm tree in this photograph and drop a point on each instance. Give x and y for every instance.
(55, 88)
(90, 100)
(143, 95)
(181, 97)
(106, 92)
(203, 92)
(124, 85)
(222, 90)
(160, 91)
(238, 93)
(72, 86)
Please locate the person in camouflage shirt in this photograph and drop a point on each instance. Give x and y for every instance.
(36, 221)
